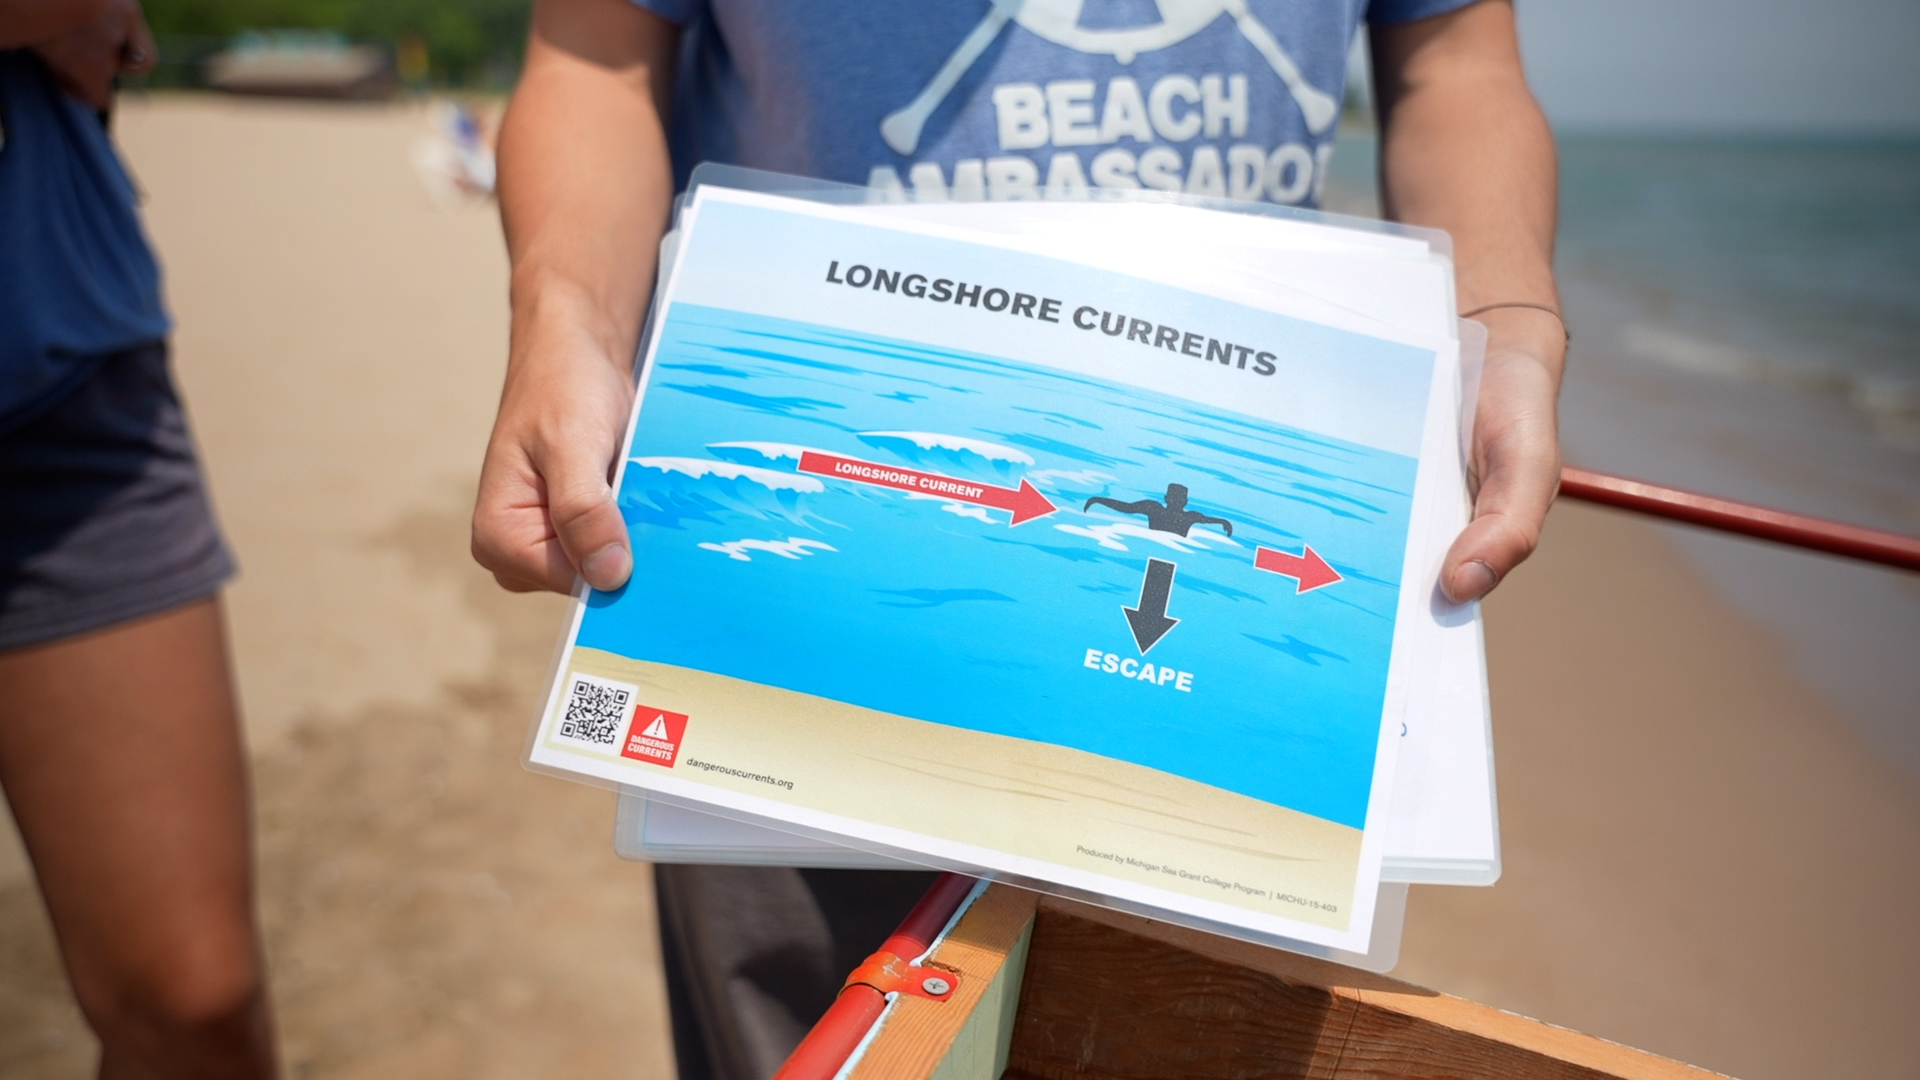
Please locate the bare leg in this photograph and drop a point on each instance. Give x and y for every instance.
(120, 754)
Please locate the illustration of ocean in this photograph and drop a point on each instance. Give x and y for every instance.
(938, 608)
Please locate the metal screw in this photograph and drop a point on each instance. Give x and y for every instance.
(935, 985)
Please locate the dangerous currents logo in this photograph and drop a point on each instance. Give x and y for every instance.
(655, 736)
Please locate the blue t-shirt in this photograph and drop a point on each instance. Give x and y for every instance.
(77, 280)
(1008, 99)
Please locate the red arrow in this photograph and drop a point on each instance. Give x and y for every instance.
(1310, 569)
(1025, 502)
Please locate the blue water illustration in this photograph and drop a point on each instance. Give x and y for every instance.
(937, 608)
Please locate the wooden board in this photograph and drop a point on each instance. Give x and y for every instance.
(1116, 997)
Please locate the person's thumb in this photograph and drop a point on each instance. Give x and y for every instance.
(581, 507)
(1507, 517)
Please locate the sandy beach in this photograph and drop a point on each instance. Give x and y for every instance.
(1703, 858)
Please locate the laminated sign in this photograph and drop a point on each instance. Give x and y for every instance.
(1037, 545)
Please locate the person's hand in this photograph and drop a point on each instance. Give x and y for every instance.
(546, 504)
(88, 58)
(1515, 460)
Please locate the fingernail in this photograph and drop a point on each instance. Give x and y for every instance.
(607, 568)
(1472, 581)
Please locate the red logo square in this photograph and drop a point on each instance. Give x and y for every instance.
(654, 736)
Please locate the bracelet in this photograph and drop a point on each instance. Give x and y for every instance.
(1555, 312)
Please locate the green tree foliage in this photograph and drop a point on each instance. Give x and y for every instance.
(466, 39)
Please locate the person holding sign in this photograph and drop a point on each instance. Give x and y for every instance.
(966, 99)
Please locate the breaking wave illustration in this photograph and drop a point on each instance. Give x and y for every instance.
(701, 468)
(668, 491)
(764, 455)
(954, 452)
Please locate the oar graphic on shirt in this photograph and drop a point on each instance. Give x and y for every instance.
(1058, 21)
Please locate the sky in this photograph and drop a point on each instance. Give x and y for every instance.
(1772, 66)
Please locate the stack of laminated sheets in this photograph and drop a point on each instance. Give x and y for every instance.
(1091, 546)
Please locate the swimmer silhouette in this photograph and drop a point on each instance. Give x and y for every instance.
(1170, 517)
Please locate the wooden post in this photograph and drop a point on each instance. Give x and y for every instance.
(1108, 996)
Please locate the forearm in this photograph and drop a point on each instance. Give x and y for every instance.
(585, 180)
(585, 187)
(1465, 148)
(30, 22)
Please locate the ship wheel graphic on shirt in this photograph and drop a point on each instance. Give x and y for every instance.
(1058, 21)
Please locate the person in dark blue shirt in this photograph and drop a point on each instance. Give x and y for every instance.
(120, 748)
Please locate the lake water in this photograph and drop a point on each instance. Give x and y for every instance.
(1746, 319)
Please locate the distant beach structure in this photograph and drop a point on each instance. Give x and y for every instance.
(302, 63)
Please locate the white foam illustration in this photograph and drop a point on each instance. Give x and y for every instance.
(965, 510)
(793, 547)
(1108, 536)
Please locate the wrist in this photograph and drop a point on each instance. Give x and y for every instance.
(556, 320)
(1537, 334)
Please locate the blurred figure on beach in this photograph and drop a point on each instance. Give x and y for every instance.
(455, 160)
(120, 746)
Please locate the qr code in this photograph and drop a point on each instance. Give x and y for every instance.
(596, 710)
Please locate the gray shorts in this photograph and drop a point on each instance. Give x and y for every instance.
(103, 514)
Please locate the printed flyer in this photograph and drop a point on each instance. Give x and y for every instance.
(1014, 563)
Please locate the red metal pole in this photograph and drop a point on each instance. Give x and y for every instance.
(1817, 534)
(832, 1040)
(827, 1047)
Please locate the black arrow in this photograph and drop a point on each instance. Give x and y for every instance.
(1149, 621)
